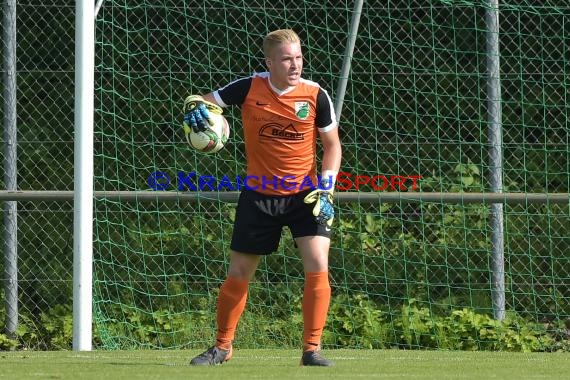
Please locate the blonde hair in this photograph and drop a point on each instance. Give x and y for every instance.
(278, 37)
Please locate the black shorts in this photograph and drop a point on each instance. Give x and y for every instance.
(260, 220)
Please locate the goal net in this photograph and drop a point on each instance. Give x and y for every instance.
(416, 104)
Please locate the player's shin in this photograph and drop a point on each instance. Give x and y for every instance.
(231, 304)
(316, 300)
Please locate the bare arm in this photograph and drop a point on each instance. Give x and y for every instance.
(210, 98)
(332, 151)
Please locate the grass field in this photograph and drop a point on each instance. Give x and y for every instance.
(283, 364)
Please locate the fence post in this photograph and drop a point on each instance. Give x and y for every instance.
(345, 70)
(494, 118)
(10, 167)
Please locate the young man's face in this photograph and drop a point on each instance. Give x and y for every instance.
(285, 65)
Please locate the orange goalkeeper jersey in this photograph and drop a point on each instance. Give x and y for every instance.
(280, 131)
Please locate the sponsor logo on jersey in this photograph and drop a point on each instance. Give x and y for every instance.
(279, 131)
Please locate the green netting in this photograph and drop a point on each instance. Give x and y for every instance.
(416, 104)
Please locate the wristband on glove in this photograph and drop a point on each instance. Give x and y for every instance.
(197, 113)
(328, 180)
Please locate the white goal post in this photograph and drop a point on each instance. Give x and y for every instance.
(83, 175)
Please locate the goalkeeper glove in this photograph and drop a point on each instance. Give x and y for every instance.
(323, 199)
(197, 113)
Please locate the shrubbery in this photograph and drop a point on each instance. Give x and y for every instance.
(353, 322)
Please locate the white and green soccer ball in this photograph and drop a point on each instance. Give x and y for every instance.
(211, 140)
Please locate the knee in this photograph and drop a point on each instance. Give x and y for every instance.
(242, 266)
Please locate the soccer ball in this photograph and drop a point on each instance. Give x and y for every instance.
(212, 139)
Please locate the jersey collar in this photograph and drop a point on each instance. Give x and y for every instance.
(278, 91)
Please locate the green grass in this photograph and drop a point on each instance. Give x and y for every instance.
(283, 364)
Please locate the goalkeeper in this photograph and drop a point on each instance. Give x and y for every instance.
(282, 115)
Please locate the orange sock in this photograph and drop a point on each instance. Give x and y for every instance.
(316, 300)
(231, 303)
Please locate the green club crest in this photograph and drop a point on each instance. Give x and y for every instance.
(302, 110)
